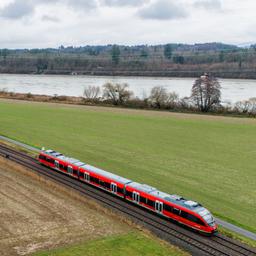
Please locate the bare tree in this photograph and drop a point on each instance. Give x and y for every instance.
(158, 96)
(117, 93)
(91, 92)
(172, 100)
(246, 106)
(206, 93)
(253, 105)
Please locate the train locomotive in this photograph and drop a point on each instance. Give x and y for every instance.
(177, 208)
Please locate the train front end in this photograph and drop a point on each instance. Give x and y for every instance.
(209, 219)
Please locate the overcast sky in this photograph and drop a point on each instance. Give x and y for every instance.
(51, 23)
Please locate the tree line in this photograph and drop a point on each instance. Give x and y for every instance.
(156, 60)
(205, 97)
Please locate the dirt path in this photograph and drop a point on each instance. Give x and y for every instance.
(34, 215)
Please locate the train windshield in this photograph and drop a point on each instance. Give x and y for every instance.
(206, 215)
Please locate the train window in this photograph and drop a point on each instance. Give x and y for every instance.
(143, 200)
(168, 208)
(102, 183)
(194, 219)
(150, 203)
(107, 185)
(184, 214)
(128, 193)
(95, 180)
(120, 190)
(61, 166)
(49, 160)
(176, 211)
(70, 170)
(42, 157)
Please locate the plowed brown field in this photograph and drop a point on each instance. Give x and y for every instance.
(35, 215)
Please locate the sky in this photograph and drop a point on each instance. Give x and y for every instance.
(51, 23)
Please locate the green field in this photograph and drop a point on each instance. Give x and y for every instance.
(126, 245)
(211, 160)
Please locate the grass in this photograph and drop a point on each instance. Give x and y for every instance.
(237, 236)
(209, 160)
(130, 244)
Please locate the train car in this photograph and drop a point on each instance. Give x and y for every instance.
(105, 180)
(87, 173)
(58, 161)
(186, 212)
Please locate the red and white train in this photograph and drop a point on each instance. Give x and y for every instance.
(186, 212)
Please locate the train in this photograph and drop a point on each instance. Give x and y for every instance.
(186, 212)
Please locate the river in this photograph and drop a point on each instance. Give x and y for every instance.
(232, 89)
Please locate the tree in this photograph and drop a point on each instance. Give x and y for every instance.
(115, 52)
(168, 51)
(158, 96)
(178, 59)
(117, 93)
(246, 106)
(92, 92)
(206, 93)
(144, 53)
(221, 56)
(172, 100)
(41, 65)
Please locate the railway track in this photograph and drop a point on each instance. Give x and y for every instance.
(194, 243)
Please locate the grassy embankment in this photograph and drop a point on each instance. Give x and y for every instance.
(208, 159)
(126, 245)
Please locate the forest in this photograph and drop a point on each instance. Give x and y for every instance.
(170, 60)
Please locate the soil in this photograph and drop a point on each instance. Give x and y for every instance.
(36, 215)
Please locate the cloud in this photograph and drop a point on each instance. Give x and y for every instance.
(208, 4)
(17, 9)
(50, 18)
(124, 2)
(83, 4)
(21, 8)
(163, 10)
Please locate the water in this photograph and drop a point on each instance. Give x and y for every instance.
(232, 89)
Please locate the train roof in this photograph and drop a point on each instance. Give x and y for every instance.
(106, 174)
(88, 167)
(60, 156)
(176, 199)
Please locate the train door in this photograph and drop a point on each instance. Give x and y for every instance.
(159, 207)
(70, 170)
(136, 197)
(56, 164)
(87, 176)
(113, 188)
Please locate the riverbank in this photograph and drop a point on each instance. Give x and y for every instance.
(136, 104)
